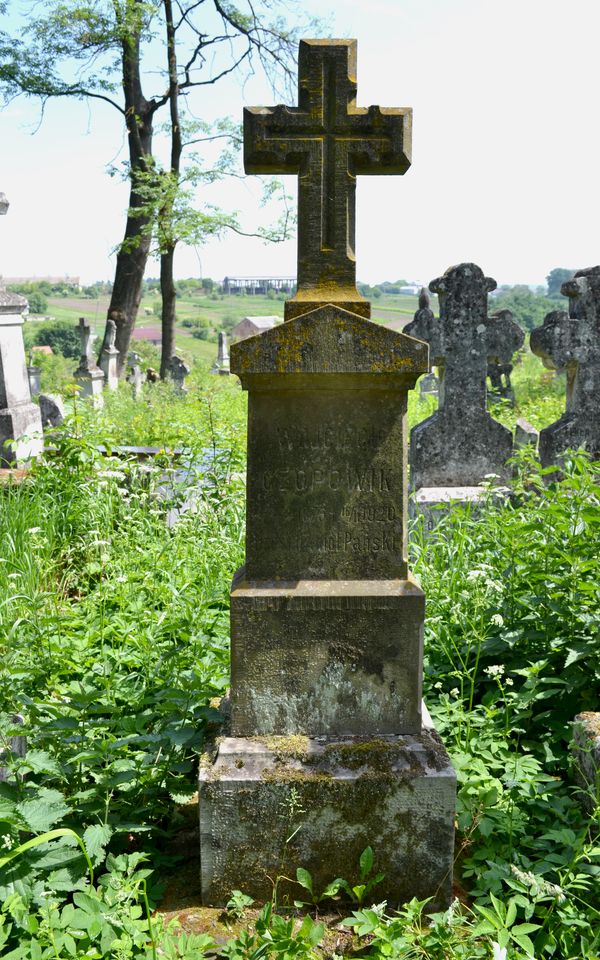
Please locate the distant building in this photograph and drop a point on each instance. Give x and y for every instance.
(258, 286)
(250, 326)
(150, 334)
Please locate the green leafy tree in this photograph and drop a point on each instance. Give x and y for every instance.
(37, 302)
(108, 51)
(527, 307)
(61, 335)
(556, 278)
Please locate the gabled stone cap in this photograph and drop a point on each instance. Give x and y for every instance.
(330, 340)
(12, 302)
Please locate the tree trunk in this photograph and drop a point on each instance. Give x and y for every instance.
(169, 240)
(134, 250)
(169, 297)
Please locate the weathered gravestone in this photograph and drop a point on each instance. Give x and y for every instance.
(326, 620)
(110, 356)
(16, 744)
(453, 451)
(500, 354)
(52, 410)
(135, 377)
(571, 341)
(34, 375)
(88, 375)
(221, 364)
(20, 423)
(178, 371)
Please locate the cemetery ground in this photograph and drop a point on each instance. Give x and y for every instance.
(114, 651)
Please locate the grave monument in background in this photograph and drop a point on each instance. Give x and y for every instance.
(88, 375)
(110, 356)
(571, 341)
(20, 422)
(326, 621)
(454, 450)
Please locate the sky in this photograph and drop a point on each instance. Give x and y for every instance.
(505, 158)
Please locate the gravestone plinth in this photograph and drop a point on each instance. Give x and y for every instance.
(20, 421)
(461, 445)
(327, 625)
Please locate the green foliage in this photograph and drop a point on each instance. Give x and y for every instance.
(528, 308)
(61, 335)
(555, 280)
(37, 302)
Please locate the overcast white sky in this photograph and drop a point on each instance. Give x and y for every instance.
(506, 152)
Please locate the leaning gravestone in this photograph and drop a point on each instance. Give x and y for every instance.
(52, 410)
(571, 341)
(88, 375)
(110, 357)
(326, 620)
(453, 451)
(20, 424)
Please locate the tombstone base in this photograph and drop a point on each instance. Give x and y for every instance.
(395, 794)
(295, 308)
(92, 385)
(433, 503)
(22, 423)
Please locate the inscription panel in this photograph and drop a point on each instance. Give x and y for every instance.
(326, 480)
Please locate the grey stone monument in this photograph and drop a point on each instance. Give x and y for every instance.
(20, 423)
(453, 451)
(326, 619)
(221, 364)
(525, 434)
(52, 410)
(34, 375)
(135, 376)
(571, 341)
(178, 371)
(110, 357)
(88, 375)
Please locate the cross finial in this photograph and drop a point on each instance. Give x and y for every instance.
(326, 140)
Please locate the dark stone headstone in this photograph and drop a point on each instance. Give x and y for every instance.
(571, 342)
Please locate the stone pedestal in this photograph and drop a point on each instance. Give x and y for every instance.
(91, 382)
(20, 421)
(393, 793)
(327, 628)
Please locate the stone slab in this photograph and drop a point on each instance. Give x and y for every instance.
(324, 657)
(395, 794)
(23, 424)
(433, 503)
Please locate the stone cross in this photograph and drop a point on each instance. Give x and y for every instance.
(571, 342)
(135, 376)
(178, 371)
(326, 140)
(20, 421)
(326, 619)
(461, 443)
(110, 356)
(88, 375)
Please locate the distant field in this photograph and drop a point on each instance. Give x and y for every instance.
(393, 311)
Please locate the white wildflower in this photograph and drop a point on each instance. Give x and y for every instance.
(120, 579)
(495, 670)
(497, 619)
(438, 685)
(455, 692)
(6, 841)
(34, 530)
(498, 952)
(508, 682)
(475, 574)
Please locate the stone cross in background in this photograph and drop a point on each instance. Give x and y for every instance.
(326, 620)
(88, 375)
(221, 364)
(20, 423)
(178, 371)
(110, 356)
(326, 140)
(461, 443)
(571, 341)
(504, 337)
(135, 376)
(34, 375)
